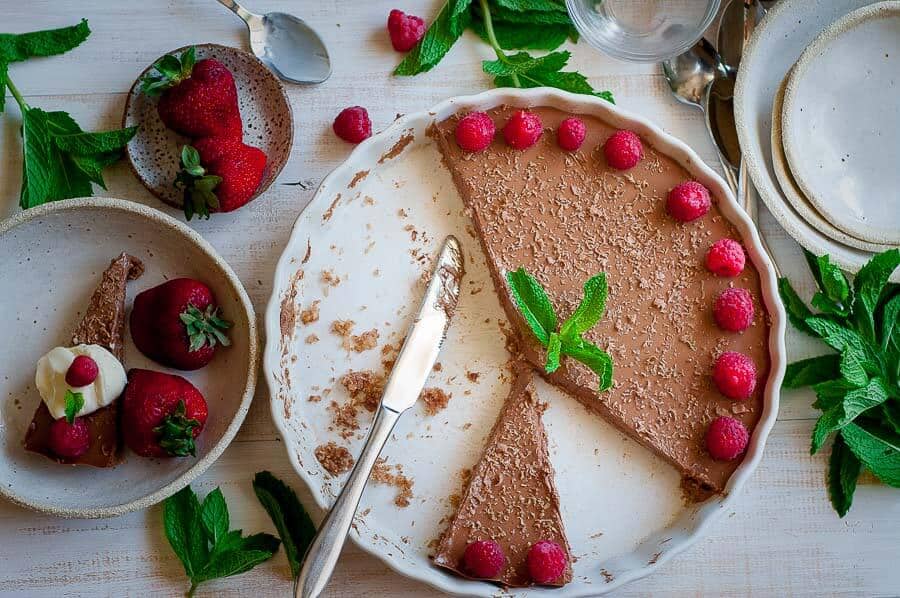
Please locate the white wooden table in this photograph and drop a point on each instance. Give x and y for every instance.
(782, 537)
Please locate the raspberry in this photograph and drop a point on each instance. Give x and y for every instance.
(735, 375)
(523, 129)
(546, 561)
(688, 201)
(484, 558)
(623, 150)
(726, 438)
(353, 124)
(725, 258)
(733, 310)
(69, 440)
(474, 132)
(82, 372)
(570, 134)
(405, 30)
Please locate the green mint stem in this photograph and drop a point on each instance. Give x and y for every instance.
(492, 38)
(191, 591)
(17, 95)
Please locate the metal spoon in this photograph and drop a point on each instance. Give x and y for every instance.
(690, 76)
(286, 44)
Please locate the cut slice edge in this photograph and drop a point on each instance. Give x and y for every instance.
(103, 324)
(511, 495)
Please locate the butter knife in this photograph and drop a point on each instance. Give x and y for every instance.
(417, 357)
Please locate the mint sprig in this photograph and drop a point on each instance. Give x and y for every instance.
(199, 535)
(74, 404)
(506, 25)
(294, 525)
(538, 312)
(858, 387)
(60, 160)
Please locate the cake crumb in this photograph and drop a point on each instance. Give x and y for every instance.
(365, 388)
(473, 376)
(435, 400)
(342, 327)
(335, 459)
(312, 339)
(363, 342)
(314, 398)
(330, 278)
(310, 314)
(383, 473)
(344, 419)
(437, 366)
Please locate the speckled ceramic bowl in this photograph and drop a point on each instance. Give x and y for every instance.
(155, 151)
(51, 258)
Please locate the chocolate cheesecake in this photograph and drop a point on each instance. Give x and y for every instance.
(103, 324)
(511, 496)
(565, 217)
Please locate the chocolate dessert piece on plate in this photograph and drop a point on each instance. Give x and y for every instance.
(511, 496)
(103, 324)
(566, 216)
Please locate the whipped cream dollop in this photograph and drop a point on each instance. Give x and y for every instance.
(50, 379)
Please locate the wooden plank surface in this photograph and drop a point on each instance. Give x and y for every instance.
(781, 539)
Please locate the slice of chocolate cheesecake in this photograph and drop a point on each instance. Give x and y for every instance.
(511, 496)
(103, 324)
(566, 216)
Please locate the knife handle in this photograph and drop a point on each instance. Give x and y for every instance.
(325, 549)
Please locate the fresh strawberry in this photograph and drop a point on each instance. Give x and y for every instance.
(195, 99)
(219, 175)
(162, 414)
(177, 324)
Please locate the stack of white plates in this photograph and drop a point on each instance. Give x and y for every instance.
(819, 120)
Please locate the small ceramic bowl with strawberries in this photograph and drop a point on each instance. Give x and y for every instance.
(215, 130)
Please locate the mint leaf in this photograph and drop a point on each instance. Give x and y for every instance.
(533, 303)
(831, 393)
(855, 402)
(554, 346)
(74, 404)
(295, 528)
(843, 470)
(811, 371)
(879, 451)
(797, 311)
(22, 46)
(821, 302)
(439, 38)
(595, 358)
(181, 520)
(523, 63)
(214, 516)
(890, 318)
(832, 281)
(4, 77)
(835, 335)
(530, 17)
(233, 562)
(891, 411)
(567, 81)
(520, 36)
(853, 367)
(589, 311)
(868, 285)
(539, 5)
(94, 143)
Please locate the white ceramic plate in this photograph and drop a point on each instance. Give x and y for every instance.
(776, 45)
(841, 123)
(51, 258)
(795, 196)
(376, 222)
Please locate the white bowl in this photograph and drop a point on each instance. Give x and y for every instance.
(51, 258)
(355, 226)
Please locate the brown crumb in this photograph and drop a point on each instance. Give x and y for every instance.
(342, 327)
(389, 354)
(437, 366)
(334, 458)
(435, 400)
(383, 473)
(363, 342)
(344, 418)
(312, 339)
(330, 278)
(311, 313)
(314, 398)
(473, 376)
(365, 388)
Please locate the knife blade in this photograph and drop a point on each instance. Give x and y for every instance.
(417, 357)
(426, 334)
